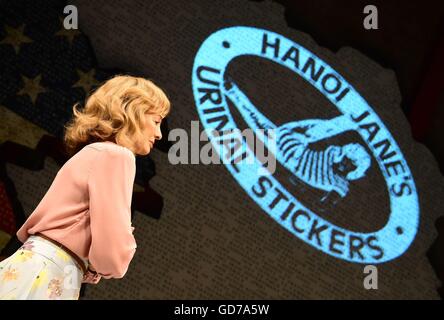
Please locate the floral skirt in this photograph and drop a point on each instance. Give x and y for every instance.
(40, 270)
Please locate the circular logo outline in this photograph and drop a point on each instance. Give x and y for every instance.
(383, 245)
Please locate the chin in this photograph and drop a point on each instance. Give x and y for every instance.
(143, 151)
(147, 150)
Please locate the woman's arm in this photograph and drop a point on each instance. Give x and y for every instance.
(110, 186)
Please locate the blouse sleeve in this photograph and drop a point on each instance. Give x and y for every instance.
(110, 185)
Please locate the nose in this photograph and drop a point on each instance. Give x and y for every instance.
(158, 134)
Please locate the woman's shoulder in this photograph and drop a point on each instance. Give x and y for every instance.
(105, 156)
(98, 155)
(109, 146)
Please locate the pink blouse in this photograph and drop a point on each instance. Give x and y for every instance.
(88, 208)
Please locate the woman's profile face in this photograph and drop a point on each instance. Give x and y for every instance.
(151, 132)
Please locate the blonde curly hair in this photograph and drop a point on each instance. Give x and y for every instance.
(114, 112)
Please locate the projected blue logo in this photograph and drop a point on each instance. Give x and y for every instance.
(332, 169)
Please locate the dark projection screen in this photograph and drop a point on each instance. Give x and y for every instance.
(341, 184)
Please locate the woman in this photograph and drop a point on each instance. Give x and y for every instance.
(81, 230)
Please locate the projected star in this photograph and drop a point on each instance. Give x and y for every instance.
(68, 33)
(15, 37)
(32, 88)
(87, 80)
